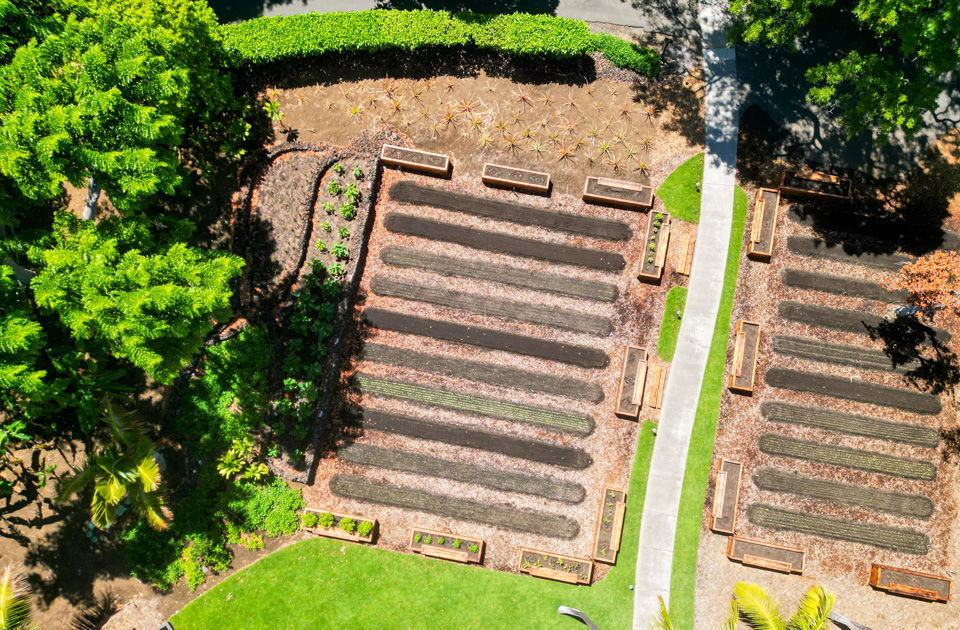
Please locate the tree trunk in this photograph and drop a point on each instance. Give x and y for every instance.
(23, 275)
(93, 196)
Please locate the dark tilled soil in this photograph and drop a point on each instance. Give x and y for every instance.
(840, 285)
(837, 354)
(843, 253)
(486, 338)
(504, 244)
(844, 320)
(856, 390)
(539, 523)
(887, 232)
(581, 225)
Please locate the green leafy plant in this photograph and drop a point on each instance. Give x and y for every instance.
(343, 232)
(365, 528)
(326, 520)
(440, 540)
(340, 251)
(328, 207)
(348, 525)
(325, 226)
(321, 246)
(473, 548)
(357, 173)
(334, 188)
(417, 538)
(428, 539)
(456, 543)
(348, 211)
(310, 519)
(352, 192)
(338, 168)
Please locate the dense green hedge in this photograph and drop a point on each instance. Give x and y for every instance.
(268, 39)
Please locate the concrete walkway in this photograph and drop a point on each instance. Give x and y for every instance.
(682, 392)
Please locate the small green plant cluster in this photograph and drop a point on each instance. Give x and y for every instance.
(652, 245)
(348, 211)
(310, 519)
(340, 251)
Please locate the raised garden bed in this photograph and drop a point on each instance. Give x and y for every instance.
(726, 496)
(686, 254)
(491, 374)
(764, 555)
(565, 319)
(341, 526)
(870, 461)
(542, 417)
(880, 536)
(424, 161)
(841, 285)
(743, 368)
(814, 184)
(505, 480)
(553, 566)
(843, 320)
(486, 338)
(855, 390)
(528, 521)
(850, 424)
(657, 381)
(504, 244)
(818, 248)
(446, 546)
(653, 254)
(615, 192)
(606, 540)
(766, 205)
(839, 493)
(566, 457)
(633, 376)
(837, 354)
(558, 284)
(579, 224)
(910, 583)
(515, 178)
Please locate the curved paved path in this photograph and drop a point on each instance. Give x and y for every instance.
(682, 391)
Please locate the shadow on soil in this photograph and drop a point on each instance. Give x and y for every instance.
(908, 341)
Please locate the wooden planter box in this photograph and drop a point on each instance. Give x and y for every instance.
(744, 368)
(726, 495)
(512, 177)
(653, 270)
(657, 381)
(910, 583)
(686, 254)
(766, 555)
(606, 544)
(615, 192)
(633, 375)
(573, 570)
(810, 183)
(447, 550)
(336, 532)
(765, 207)
(433, 163)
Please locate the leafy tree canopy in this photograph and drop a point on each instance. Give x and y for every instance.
(21, 339)
(893, 80)
(23, 20)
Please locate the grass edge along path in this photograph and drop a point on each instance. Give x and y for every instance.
(679, 190)
(354, 586)
(700, 456)
(670, 324)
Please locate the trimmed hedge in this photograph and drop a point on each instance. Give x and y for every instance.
(271, 39)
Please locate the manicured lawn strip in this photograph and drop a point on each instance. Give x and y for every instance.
(521, 448)
(506, 480)
(486, 338)
(892, 538)
(529, 521)
(851, 424)
(565, 319)
(840, 285)
(853, 389)
(837, 354)
(870, 461)
(398, 256)
(700, 455)
(680, 193)
(818, 248)
(342, 578)
(900, 503)
(841, 319)
(549, 419)
(670, 325)
(503, 243)
(579, 224)
(488, 373)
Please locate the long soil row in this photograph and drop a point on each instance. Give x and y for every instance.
(892, 538)
(539, 523)
(818, 248)
(406, 257)
(845, 320)
(486, 338)
(855, 390)
(851, 424)
(900, 503)
(503, 243)
(532, 450)
(505, 480)
(493, 307)
(410, 192)
(905, 467)
(484, 372)
(840, 285)
(837, 354)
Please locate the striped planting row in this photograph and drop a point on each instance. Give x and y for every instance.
(837, 354)
(843, 320)
(840, 285)
(818, 248)
(851, 424)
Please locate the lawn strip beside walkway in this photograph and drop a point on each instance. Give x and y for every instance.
(670, 324)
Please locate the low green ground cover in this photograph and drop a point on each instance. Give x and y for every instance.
(325, 582)
(681, 190)
(670, 325)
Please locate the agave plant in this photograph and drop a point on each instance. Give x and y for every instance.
(15, 613)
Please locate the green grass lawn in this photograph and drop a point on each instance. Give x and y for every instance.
(327, 583)
(700, 456)
(679, 191)
(670, 326)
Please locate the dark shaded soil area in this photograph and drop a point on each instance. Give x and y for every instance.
(845, 320)
(837, 354)
(841, 285)
(840, 252)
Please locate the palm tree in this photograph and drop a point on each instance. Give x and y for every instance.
(15, 613)
(123, 467)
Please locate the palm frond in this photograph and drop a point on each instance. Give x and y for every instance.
(733, 616)
(813, 611)
(662, 620)
(15, 613)
(152, 506)
(760, 610)
(102, 513)
(149, 473)
(126, 427)
(76, 482)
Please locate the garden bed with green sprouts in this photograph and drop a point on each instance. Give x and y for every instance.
(336, 525)
(446, 545)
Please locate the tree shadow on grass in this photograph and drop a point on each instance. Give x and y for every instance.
(908, 341)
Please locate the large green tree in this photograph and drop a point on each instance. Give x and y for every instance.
(887, 79)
